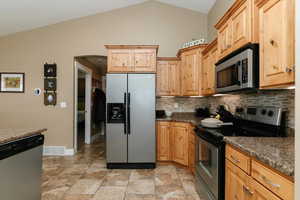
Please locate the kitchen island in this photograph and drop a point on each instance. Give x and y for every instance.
(21, 152)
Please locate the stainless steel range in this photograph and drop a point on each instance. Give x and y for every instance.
(210, 160)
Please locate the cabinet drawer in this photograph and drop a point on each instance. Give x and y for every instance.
(239, 159)
(278, 184)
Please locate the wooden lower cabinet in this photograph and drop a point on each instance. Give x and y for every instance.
(163, 130)
(242, 186)
(176, 142)
(179, 143)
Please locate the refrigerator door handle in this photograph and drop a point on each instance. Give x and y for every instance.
(128, 113)
(124, 112)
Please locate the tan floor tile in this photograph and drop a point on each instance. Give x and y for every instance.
(55, 193)
(110, 193)
(116, 179)
(78, 197)
(141, 174)
(140, 197)
(85, 186)
(189, 187)
(170, 192)
(167, 179)
(143, 186)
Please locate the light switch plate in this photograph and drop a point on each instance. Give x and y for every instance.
(63, 104)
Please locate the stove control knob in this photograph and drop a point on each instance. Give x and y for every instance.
(264, 111)
(270, 113)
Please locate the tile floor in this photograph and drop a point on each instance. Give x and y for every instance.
(85, 177)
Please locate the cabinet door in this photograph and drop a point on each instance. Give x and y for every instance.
(259, 192)
(179, 135)
(190, 73)
(120, 60)
(241, 25)
(174, 78)
(163, 79)
(212, 70)
(224, 40)
(192, 149)
(205, 78)
(237, 183)
(144, 60)
(163, 141)
(277, 43)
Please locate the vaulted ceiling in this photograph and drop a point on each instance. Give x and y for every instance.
(20, 15)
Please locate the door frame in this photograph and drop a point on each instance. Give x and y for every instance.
(88, 103)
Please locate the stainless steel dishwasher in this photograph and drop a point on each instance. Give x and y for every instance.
(21, 169)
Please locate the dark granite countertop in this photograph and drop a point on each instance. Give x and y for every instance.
(188, 117)
(278, 153)
(11, 134)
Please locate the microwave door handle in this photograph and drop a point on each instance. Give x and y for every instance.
(239, 73)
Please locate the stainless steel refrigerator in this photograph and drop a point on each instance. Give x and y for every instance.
(130, 123)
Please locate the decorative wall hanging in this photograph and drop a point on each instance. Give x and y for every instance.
(50, 70)
(50, 84)
(50, 98)
(12, 82)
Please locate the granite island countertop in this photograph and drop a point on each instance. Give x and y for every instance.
(11, 134)
(189, 117)
(278, 153)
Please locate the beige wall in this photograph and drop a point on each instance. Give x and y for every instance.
(147, 23)
(216, 12)
(297, 113)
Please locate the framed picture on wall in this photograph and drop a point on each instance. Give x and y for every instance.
(50, 84)
(12, 82)
(50, 70)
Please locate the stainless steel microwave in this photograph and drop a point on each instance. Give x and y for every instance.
(239, 70)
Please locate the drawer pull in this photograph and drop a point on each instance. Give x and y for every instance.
(247, 189)
(235, 160)
(266, 180)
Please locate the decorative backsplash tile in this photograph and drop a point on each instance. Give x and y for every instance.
(279, 98)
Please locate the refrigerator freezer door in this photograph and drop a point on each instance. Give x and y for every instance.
(116, 139)
(141, 139)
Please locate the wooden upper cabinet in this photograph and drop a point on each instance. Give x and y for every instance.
(224, 39)
(191, 71)
(163, 141)
(277, 42)
(241, 25)
(120, 60)
(237, 27)
(131, 58)
(209, 59)
(179, 143)
(168, 77)
(163, 79)
(145, 60)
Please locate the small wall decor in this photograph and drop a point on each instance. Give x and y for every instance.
(50, 98)
(193, 43)
(12, 82)
(50, 70)
(50, 84)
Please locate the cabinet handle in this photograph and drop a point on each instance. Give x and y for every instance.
(290, 69)
(123, 64)
(272, 42)
(235, 160)
(247, 189)
(275, 67)
(266, 180)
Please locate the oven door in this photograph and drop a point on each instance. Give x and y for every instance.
(229, 75)
(207, 165)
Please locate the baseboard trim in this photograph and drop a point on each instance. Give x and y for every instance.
(57, 151)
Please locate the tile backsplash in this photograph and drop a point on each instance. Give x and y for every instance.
(278, 98)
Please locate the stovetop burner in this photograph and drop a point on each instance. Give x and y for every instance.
(254, 122)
